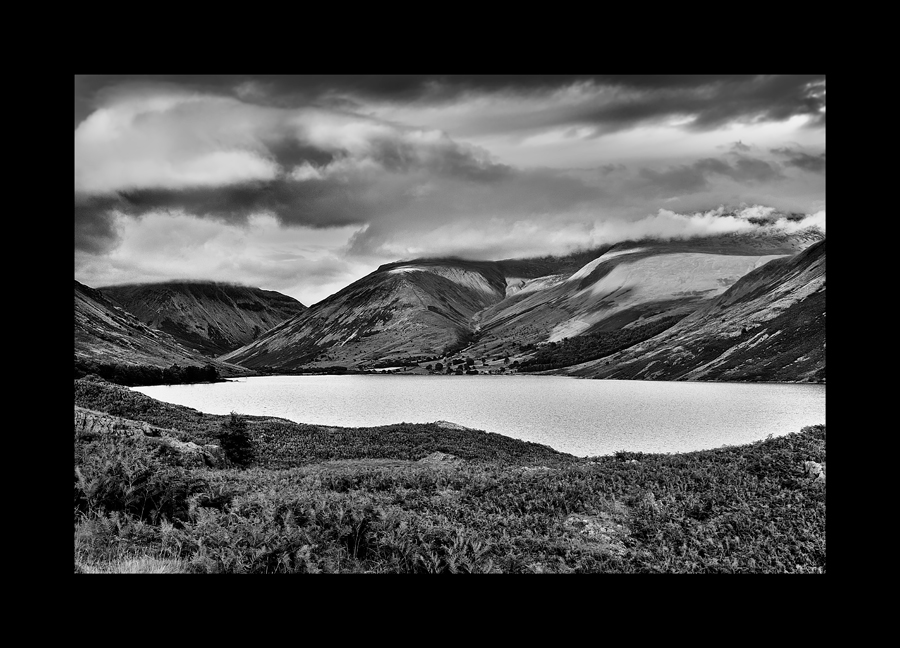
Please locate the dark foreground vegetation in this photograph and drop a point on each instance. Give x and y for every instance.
(137, 375)
(591, 346)
(427, 499)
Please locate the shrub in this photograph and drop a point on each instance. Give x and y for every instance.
(235, 441)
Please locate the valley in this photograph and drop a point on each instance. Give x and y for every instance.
(457, 316)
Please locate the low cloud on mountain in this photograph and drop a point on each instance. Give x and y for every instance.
(182, 172)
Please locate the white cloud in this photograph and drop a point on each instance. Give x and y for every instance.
(812, 220)
(756, 211)
(305, 263)
(169, 141)
(306, 171)
(407, 172)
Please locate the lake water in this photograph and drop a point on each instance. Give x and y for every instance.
(581, 417)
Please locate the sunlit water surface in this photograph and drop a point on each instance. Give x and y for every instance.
(581, 417)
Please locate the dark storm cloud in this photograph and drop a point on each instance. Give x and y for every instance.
(353, 196)
(313, 168)
(290, 152)
(94, 231)
(679, 179)
(692, 178)
(444, 158)
(319, 203)
(712, 100)
(607, 169)
(748, 169)
(801, 160)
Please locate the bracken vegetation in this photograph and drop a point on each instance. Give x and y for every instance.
(316, 499)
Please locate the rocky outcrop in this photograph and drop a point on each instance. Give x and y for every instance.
(450, 425)
(90, 424)
(440, 458)
(814, 470)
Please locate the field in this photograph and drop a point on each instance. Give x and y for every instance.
(426, 498)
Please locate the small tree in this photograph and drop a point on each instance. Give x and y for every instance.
(235, 441)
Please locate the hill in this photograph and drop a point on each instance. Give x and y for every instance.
(106, 334)
(212, 318)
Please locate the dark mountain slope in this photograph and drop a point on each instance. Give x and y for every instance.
(107, 334)
(211, 318)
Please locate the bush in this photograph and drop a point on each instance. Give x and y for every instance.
(235, 441)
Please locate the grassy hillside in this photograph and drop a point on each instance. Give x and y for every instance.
(429, 499)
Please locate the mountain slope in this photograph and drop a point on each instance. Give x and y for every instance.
(399, 311)
(211, 318)
(429, 307)
(630, 284)
(105, 333)
(770, 325)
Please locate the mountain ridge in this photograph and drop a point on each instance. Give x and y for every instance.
(420, 309)
(209, 317)
(107, 334)
(770, 325)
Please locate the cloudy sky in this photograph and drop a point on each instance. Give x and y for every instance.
(303, 184)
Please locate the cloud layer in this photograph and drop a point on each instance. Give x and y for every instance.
(198, 175)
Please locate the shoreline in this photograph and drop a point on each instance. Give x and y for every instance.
(426, 498)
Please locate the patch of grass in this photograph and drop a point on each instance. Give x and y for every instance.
(136, 565)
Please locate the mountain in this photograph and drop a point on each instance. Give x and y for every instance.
(428, 308)
(211, 318)
(401, 310)
(769, 325)
(107, 334)
(631, 283)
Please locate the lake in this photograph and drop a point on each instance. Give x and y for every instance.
(581, 417)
